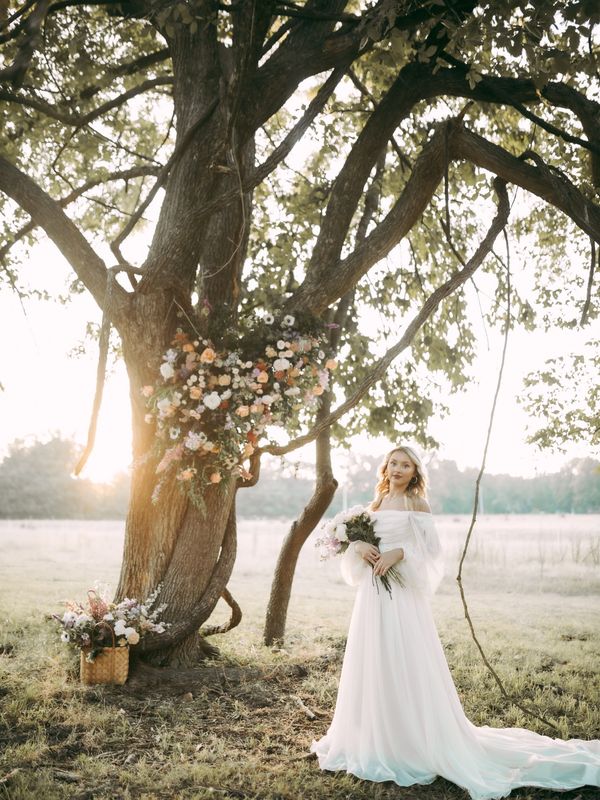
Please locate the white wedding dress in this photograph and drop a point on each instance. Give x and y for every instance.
(398, 716)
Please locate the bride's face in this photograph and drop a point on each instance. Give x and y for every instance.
(400, 469)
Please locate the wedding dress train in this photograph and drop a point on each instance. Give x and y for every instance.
(398, 716)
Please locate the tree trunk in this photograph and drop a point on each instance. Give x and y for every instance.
(281, 587)
(171, 542)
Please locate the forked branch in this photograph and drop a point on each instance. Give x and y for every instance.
(431, 304)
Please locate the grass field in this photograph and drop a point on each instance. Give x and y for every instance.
(242, 726)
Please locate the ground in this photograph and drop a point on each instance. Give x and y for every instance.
(241, 726)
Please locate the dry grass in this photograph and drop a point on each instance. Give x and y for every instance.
(244, 733)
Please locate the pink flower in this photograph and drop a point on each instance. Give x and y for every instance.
(172, 454)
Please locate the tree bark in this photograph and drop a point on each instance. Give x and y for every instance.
(171, 542)
(281, 587)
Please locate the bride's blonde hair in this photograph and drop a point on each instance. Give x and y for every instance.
(418, 483)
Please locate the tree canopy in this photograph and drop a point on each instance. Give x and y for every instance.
(94, 114)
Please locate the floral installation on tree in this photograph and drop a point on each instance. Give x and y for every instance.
(353, 525)
(87, 626)
(212, 403)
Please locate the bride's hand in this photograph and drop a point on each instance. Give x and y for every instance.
(387, 560)
(367, 551)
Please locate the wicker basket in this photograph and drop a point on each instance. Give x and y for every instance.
(111, 665)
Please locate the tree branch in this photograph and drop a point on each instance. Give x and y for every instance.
(326, 282)
(379, 368)
(413, 83)
(125, 175)
(77, 120)
(127, 68)
(15, 72)
(280, 152)
(48, 214)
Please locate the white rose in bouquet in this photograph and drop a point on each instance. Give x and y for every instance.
(340, 532)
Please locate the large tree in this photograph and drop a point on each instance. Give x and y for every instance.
(192, 113)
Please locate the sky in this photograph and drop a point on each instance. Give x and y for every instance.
(47, 392)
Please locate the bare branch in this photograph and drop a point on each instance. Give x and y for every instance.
(379, 368)
(125, 175)
(590, 283)
(80, 120)
(48, 214)
(127, 68)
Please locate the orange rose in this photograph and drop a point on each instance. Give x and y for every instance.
(262, 377)
(224, 380)
(318, 390)
(195, 393)
(215, 477)
(208, 355)
(188, 348)
(242, 411)
(331, 363)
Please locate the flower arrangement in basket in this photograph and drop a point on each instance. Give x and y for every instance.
(353, 525)
(212, 403)
(104, 630)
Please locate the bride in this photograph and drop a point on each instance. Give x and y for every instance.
(398, 716)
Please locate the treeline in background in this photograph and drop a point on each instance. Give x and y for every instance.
(36, 482)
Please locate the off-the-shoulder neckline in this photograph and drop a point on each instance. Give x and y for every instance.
(399, 511)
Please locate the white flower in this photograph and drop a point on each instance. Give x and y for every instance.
(267, 399)
(321, 355)
(194, 440)
(291, 392)
(226, 394)
(174, 432)
(166, 370)
(171, 355)
(212, 401)
(281, 345)
(354, 511)
(164, 405)
(269, 319)
(340, 532)
(132, 635)
(108, 617)
(281, 364)
(120, 627)
(288, 320)
(69, 618)
(64, 637)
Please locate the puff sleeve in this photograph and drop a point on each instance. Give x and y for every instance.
(423, 563)
(353, 566)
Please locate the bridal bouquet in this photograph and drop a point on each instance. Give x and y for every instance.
(91, 626)
(353, 525)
